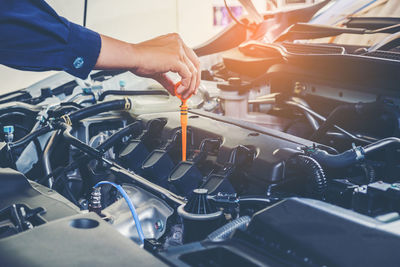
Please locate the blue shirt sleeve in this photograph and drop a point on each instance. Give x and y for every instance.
(34, 37)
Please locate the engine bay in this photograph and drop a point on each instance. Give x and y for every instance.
(292, 160)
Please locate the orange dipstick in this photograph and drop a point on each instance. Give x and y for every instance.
(184, 120)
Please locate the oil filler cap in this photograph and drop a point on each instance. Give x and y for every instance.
(200, 216)
(198, 203)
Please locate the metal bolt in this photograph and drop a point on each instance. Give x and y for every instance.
(159, 225)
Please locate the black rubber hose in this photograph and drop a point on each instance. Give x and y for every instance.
(85, 99)
(333, 117)
(132, 92)
(369, 172)
(133, 128)
(46, 155)
(99, 108)
(30, 137)
(322, 118)
(107, 144)
(312, 121)
(62, 110)
(78, 143)
(351, 156)
(341, 112)
(313, 172)
(35, 141)
(328, 149)
(341, 160)
(29, 110)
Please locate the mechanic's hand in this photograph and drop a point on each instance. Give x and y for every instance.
(155, 57)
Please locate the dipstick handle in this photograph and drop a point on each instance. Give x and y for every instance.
(184, 121)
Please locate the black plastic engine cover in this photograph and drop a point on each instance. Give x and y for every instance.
(16, 189)
(263, 141)
(324, 233)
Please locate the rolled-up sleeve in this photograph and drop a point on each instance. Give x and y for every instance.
(34, 37)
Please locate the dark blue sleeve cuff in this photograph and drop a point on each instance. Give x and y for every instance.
(82, 51)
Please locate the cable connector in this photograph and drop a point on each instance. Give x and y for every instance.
(360, 154)
(225, 198)
(66, 119)
(95, 201)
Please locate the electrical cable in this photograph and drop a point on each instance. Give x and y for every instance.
(31, 136)
(322, 118)
(271, 99)
(36, 142)
(132, 93)
(130, 205)
(340, 113)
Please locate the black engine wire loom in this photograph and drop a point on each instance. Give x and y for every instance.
(312, 162)
(61, 123)
(73, 117)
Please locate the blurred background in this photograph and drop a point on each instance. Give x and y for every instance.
(136, 21)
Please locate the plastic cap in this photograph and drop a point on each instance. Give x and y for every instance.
(8, 129)
(198, 203)
(87, 90)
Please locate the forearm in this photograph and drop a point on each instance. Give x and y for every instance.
(34, 37)
(116, 54)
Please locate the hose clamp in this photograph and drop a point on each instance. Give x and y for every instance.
(67, 119)
(127, 103)
(359, 152)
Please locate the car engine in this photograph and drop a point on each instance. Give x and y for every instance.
(293, 159)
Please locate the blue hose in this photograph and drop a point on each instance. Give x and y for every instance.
(130, 205)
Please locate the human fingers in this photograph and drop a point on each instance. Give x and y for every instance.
(196, 62)
(186, 76)
(190, 90)
(166, 82)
